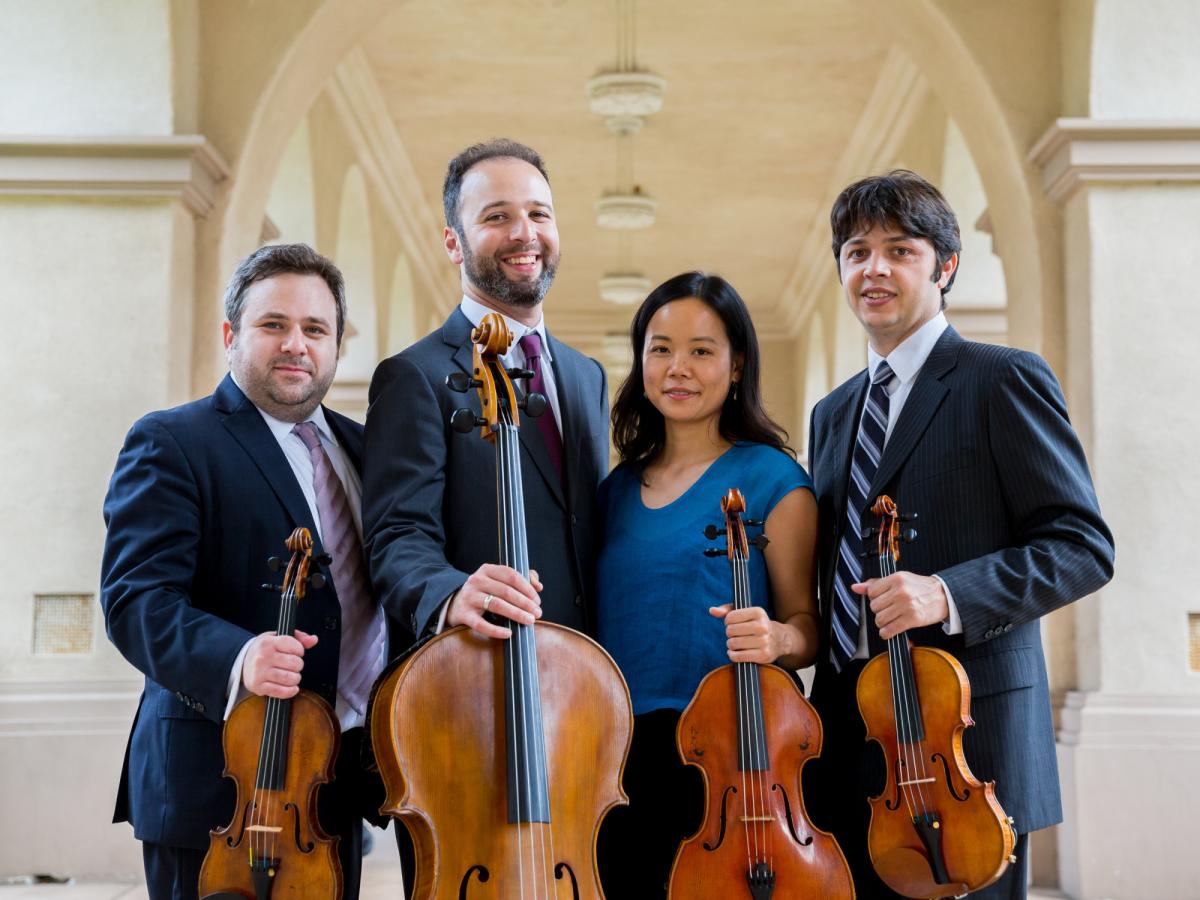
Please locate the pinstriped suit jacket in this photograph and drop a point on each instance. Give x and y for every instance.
(984, 454)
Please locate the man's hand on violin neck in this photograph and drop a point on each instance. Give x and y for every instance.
(903, 601)
(273, 663)
(500, 590)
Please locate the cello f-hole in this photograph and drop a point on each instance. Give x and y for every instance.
(562, 869)
(480, 872)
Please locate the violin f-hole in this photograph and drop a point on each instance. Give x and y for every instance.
(894, 803)
(940, 758)
(230, 840)
(561, 869)
(724, 815)
(791, 820)
(302, 846)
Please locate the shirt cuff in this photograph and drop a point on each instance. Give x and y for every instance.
(953, 623)
(441, 622)
(235, 689)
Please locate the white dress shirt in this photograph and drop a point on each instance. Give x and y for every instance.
(300, 460)
(906, 361)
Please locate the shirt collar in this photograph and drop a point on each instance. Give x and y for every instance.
(907, 358)
(475, 311)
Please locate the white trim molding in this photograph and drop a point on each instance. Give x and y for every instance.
(48, 710)
(183, 166)
(1074, 152)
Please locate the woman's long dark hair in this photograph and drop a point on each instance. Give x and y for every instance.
(639, 431)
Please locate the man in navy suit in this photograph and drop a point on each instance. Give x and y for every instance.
(974, 440)
(201, 497)
(430, 493)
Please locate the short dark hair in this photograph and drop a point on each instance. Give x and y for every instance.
(639, 431)
(283, 259)
(902, 200)
(497, 148)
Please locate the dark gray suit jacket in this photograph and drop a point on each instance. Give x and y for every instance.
(429, 493)
(984, 454)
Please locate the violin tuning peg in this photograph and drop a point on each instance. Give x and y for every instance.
(274, 563)
(461, 382)
(715, 551)
(761, 541)
(272, 588)
(519, 373)
(464, 421)
(317, 581)
(908, 535)
(711, 532)
(534, 404)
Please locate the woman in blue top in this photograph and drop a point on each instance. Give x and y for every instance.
(689, 424)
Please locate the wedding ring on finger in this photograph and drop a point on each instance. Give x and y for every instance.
(487, 601)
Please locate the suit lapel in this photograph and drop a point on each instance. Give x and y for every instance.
(927, 395)
(247, 427)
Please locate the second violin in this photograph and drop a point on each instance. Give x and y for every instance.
(750, 731)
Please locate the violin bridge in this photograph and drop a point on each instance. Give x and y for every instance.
(917, 781)
(270, 828)
(756, 818)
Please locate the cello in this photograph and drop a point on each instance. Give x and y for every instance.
(278, 752)
(502, 782)
(750, 731)
(936, 830)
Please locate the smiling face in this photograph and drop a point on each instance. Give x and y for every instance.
(893, 283)
(508, 249)
(688, 364)
(284, 353)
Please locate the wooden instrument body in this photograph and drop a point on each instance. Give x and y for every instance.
(976, 837)
(452, 795)
(807, 862)
(308, 865)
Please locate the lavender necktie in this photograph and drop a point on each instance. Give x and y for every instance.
(531, 345)
(362, 626)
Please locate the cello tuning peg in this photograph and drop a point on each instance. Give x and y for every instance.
(908, 535)
(761, 541)
(317, 581)
(274, 563)
(324, 559)
(870, 532)
(908, 517)
(464, 420)
(461, 382)
(534, 404)
(867, 554)
(715, 551)
(272, 588)
(711, 532)
(519, 373)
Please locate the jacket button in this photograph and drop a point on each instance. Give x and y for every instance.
(1008, 626)
(990, 633)
(199, 707)
(331, 623)
(578, 600)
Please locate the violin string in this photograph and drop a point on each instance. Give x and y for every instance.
(905, 710)
(743, 735)
(920, 772)
(755, 713)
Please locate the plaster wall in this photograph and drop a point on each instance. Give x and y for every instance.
(100, 68)
(1144, 62)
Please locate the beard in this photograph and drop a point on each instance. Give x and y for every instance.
(277, 397)
(486, 274)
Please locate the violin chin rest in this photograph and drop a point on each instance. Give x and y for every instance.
(906, 871)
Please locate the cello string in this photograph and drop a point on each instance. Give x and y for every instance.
(754, 684)
(743, 736)
(750, 712)
(504, 502)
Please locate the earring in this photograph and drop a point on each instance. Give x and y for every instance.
(733, 389)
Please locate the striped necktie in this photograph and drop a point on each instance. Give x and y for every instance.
(872, 431)
(361, 652)
(531, 345)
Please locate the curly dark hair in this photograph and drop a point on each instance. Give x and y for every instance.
(639, 431)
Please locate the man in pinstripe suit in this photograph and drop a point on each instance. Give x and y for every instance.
(977, 444)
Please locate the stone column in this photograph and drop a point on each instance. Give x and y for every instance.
(100, 186)
(1129, 743)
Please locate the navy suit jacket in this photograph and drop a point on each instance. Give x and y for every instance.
(984, 454)
(429, 493)
(202, 495)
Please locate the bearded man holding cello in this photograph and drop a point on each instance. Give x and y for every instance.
(973, 440)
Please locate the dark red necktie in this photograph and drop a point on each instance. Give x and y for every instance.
(531, 345)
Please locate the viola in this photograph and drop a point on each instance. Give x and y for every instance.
(502, 784)
(936, 830)
(750, 732)
(278, 752)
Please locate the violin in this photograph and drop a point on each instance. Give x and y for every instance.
(936, 830)
(750, 731)
(278, 752)
(502, 784)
